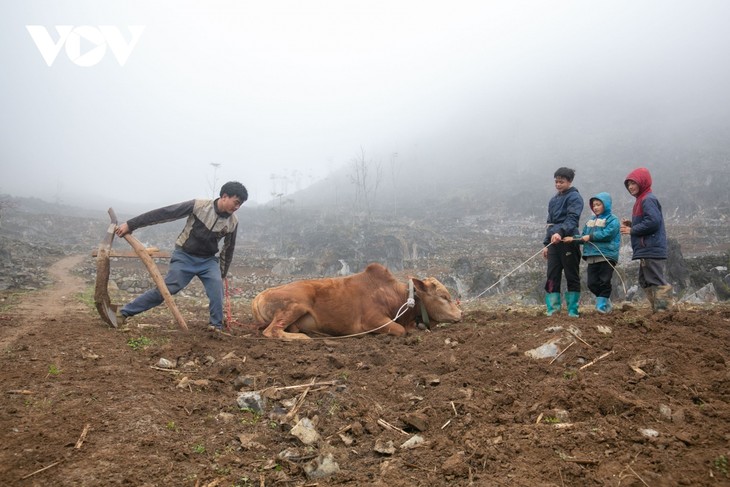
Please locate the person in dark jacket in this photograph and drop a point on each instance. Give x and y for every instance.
(602, 242)
(564, 211)
(208, 221)
(648, 239)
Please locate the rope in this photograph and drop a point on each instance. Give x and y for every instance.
(410, 302)
(623, 283)
(397, 315)
(511, 272)
(230, 320)
(612, 266)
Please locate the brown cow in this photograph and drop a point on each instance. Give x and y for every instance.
(350, 305)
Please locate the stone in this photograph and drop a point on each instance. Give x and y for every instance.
(417, 420)
(306, 433)
(251, 400)
(321, 467)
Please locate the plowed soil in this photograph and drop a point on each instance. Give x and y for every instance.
(633, 399)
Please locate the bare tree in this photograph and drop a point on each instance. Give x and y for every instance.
(214, 184)
(279, 190)
(366, 185)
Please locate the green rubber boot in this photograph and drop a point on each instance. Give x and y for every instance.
(571, 300)
(552, 301)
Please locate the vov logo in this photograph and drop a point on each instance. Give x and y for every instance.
(94, 39)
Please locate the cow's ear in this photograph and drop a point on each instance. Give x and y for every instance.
(419, 285)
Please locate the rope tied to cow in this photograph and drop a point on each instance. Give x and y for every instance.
(623, 283)
(509, 273)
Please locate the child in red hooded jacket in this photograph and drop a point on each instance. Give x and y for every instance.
(648, 239)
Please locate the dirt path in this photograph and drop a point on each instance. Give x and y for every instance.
(38, 308)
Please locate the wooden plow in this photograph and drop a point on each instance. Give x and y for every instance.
(107, 310)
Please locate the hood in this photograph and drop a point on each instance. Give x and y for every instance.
(642, 177)
(605, 198)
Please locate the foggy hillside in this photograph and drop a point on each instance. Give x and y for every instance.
(689, 181)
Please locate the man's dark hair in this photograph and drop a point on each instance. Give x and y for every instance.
(234, 188)
(565, 172)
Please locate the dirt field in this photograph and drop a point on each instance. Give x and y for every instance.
(640, 401)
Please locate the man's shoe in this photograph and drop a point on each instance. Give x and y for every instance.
(215, 328)
(121, 318)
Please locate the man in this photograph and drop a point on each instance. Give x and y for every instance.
(208, 222)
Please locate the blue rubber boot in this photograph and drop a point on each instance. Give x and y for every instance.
(571, 300)
(603, 305)
(552, 301)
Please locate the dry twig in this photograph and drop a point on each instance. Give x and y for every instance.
(599, 358)
(81, 439)
(299, 403)
(311, 384)
(562, 352)
(637, 475)
(42, 469)
(173, 371)
(389, 426)
(579, 338)
(581, 461)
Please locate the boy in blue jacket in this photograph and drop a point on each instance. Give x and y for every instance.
(564, 211)
(648, 239)
(602, 240)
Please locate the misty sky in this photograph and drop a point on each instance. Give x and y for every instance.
(281, 93)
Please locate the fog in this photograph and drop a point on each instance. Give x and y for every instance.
(281, 94)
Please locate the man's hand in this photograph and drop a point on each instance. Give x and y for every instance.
(122, 230)
(544, 253)
(556, 238)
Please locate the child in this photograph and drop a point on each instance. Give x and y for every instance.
(648, 239)
(564, 212)
(602, 240)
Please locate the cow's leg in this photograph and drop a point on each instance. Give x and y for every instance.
(282, 319)
(392, 328)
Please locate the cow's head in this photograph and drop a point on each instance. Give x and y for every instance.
(437, 300)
